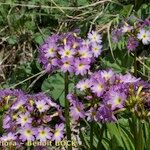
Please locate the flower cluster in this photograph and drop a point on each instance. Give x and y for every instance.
(134, 34)
(105, 94)
(31, 118)
(70, 53)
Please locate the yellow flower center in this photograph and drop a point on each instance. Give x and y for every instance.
(100, 87)
(40, 107)
(25, 119)
(106, 76)
(118, 101)
(80, 66)
(95, 49)
(28, 132)
(51, 50)
(85, 86)
(15, 116)
(67, 53)
(66, 64)
(94, 37)
(42, 133)
(83, 54)
(144, 36)
(57, 133)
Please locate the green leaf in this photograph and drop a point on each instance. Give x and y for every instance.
(30, 25)
(126, 137)
(12, 40)
(38, 38)
(54, 86)
(115, 134)
(126, 11)
(114, 66)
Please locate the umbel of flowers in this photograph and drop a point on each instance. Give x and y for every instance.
(30, 118)
(136, 34)
(104, 94)
(69, 52)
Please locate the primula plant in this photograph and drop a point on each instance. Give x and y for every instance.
(30, 118)
(72, 55)
(105, 96)
(74, 75)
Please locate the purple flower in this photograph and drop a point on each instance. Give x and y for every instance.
(18, 104)
(27, 133)
(58, 133)
(50, 50)
(52, 39)
(96, 49)
(24, 119)
(43, 134)
(91, 114)
(81, 66)
(105, 114)
(98, 87)
(94, 37)
(83, 85)
(116, 35)
(54, 62)
(77, 110)
(6, 122)
(107, 75)
(5, 95)
(126, 28)
(86, 43)
(42, 106)
(9, 137)
(51, 64)
(84, 53)
(71, 98)
(128, 78)
(144, 36)
(116, 99)
(67, 65)
(132, 44)
(147, 22)
(66, 52)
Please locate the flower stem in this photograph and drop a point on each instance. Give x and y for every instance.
(91, 129)
(67, 117)
(91, 135)
(138, 134)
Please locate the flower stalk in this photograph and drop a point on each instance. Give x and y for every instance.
(138, 134)
(67, 117)
(91, 135)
